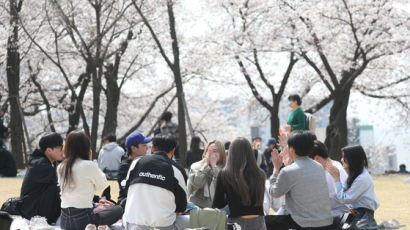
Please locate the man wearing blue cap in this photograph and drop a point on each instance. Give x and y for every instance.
(136, 145)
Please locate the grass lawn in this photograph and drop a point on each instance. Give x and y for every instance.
(392, 191)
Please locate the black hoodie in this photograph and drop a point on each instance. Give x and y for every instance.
(39, 192)
(7, 164)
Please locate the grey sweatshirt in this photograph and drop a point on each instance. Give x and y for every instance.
(306, 193)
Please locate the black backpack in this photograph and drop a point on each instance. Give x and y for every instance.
(12, 206)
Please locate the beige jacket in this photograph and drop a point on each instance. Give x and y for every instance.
(201, 183)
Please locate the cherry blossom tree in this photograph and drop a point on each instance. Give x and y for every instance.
(347, 44)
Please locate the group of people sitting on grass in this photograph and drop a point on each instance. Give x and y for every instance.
(156, 192)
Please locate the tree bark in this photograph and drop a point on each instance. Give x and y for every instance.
(13, 81)
(336, 131)
(274, 120)
(182, 142)
(74, 112)
(96, 80)
(113, 99)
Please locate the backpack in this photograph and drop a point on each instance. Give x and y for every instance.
(12, 206)
(310, 122)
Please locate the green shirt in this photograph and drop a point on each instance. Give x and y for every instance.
(297, 119)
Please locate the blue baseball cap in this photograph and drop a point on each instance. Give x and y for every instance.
(272, 141)
(136, 138)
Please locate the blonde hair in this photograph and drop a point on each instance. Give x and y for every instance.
(221, 150)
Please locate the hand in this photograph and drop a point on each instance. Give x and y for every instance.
(106, 202)
(283, 140)
(333, 171)
(212, 159)
(288, 128)
(285, 156)
(276, 161)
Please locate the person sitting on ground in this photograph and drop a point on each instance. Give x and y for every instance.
(7, 164)
(320, 155)
(168, 127)
(358, 191)
(136, 145)
(202, 176)
(79, 179)
(297, 118)
(304, 185)
(260, 159)
(39, 191)
(272, 144)
(227, 145)
(241, 185)
(195, 152)
(402, 169)
(109, 158)
(156, 187)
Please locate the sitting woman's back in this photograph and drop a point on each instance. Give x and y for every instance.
(79, 179)
(241, 185)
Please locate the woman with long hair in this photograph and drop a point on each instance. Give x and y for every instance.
(202, 176)
(358, 191)
(241, 185)
(79, 179)
(195, 152)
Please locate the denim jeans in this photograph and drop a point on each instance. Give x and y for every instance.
(78, 218)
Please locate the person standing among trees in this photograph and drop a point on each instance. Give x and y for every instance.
(297, 118)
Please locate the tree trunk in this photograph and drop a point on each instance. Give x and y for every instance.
(274, 122)
(113, 98)
(182, 148)
(182, 143)
(336, 131)
(74, 112)
(13, 81)
(96, 79)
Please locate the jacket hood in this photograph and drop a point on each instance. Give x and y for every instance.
(110, 146)
(38, 153)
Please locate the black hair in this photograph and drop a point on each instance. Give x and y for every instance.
(166, 116)
(302, 142)
(227, 144)
(195, 142)
(256, 138)
(319, 149)
(402, 166)
(356, 158)
(51, 140)
(295, 97)
(164, 142)
(111, 138)
(243, 174)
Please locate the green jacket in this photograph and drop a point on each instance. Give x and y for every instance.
(297, 119)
